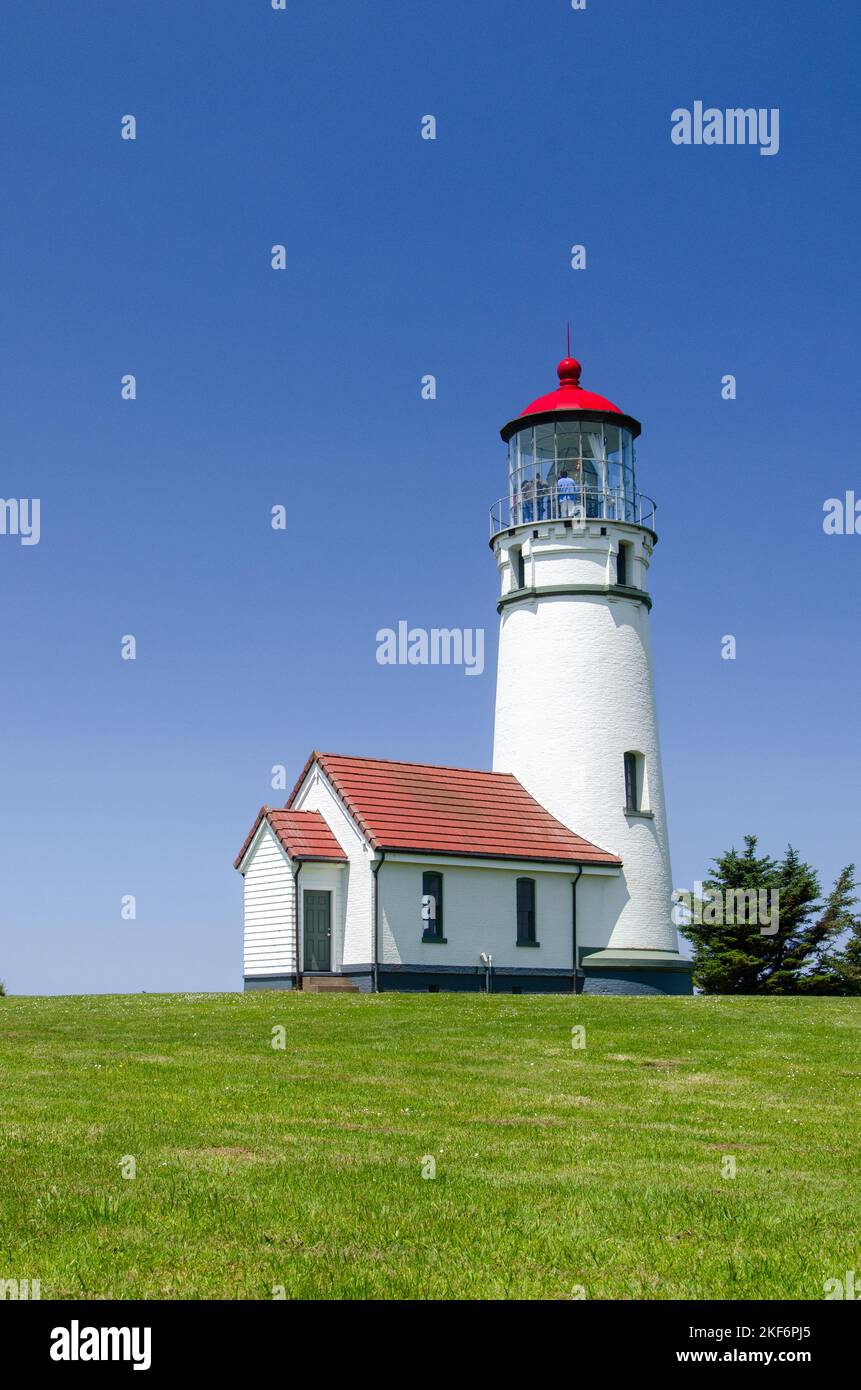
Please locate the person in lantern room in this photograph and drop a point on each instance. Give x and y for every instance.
(527, 490)
(565, 489)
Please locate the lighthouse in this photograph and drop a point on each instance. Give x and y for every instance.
(575, 717)
(551, 872)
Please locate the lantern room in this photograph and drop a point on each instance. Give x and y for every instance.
(571, 455)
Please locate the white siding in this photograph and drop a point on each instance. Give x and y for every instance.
(480, 914)
(269, 930)
(355, 918)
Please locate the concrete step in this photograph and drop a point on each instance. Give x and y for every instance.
(329, 984)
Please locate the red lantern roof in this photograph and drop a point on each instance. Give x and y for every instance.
(569, 394)
(569, 400)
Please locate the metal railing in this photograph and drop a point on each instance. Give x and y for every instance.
(549, 502)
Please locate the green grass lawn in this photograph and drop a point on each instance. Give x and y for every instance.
(555, 1167)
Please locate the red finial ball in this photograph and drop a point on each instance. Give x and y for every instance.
(569, 372)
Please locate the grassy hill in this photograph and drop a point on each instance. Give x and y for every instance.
(302, 1168)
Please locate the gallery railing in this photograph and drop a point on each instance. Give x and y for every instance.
(543, 502)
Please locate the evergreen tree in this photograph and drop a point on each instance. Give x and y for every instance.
(729, 959)
(838, 971)
(736, 955)
(800, 934)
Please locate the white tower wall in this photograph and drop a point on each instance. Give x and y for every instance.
(575, 693)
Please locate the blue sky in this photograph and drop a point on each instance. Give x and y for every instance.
(302, 388)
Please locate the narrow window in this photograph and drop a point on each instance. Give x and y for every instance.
(431, 906)
(525, 911)
(632, 783)
(624, 568)
(518, 567)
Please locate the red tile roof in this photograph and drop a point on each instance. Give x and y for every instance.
(304, 835)
(450, 810)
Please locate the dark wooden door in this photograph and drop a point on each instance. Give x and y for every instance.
(317, 930)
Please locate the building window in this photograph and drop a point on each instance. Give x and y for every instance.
(624, 563)
(432, 906)
(632, 782)
(518, 567)
(526, 912)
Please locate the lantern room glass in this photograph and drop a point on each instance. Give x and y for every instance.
(566, 464)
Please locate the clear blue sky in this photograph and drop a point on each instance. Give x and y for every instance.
(256, 388)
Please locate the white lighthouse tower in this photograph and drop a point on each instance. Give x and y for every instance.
(575, 705)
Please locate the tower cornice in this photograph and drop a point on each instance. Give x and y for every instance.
(547, 529)
(531, 593)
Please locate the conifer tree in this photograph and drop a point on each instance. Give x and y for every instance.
(836, 967)
(806, 954)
